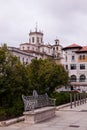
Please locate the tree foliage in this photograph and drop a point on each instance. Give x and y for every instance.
(17, 79)
(13, 80)
(13, 74)
(45, 75)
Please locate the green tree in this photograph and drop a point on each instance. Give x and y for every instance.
(33, 73)
(14, 81)
(17, 79)
(46, 75)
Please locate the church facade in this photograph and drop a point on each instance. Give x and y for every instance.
(36, 48)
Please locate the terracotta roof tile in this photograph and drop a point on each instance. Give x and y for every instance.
(72, 46)
(83, 49)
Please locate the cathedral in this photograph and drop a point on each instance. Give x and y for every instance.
(36, 48)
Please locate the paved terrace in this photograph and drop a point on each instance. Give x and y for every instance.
(66, 119)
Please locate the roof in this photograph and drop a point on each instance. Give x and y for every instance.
(13, 49)
(72, 46)
(83, 49)
(32, 33)
(57, 45)
(24, 44)
(31, 51)
(27, 44)
(44, 45)
(35, 52)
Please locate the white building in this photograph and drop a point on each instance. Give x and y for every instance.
(36, 48)
(39, 49)
(73, 57)
(24, 57)
(58, 53)
(76, 64)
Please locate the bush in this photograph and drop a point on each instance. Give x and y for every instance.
(13, 111)
(61, 98)
(2, 114)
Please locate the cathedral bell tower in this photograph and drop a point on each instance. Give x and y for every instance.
(36, 37)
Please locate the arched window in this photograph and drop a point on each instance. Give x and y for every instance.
(32, 39)
(23, 60)
(53, 48)
(57, 48)
(73, 78)
(41, 40)
(28, 48)
(23, 47)
(82, 78)
(37, 39)
(66, 58)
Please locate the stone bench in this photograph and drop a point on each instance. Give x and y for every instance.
(38, 115)
(38, 107)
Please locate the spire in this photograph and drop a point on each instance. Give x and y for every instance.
(36, 27)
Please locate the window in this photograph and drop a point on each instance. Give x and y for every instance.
(56, 42)
(66, 58)
(23, 47)
(29, 40)
(41, 40)
(42, 49)
(66, 67)
(82, 57)
(82, 78)
(23, 60)
(49, 50)
(82, 66)
(37, 39)
(73, 66)
(57, 48)
(54, 48)
(73, 78)
(73, 57)
(33, 39)
(28, 48)
(27, 61)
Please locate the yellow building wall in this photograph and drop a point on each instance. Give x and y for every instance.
(82, 60)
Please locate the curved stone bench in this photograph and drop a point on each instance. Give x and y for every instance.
(38, 107)
(39, 115)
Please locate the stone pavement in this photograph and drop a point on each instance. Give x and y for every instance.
(66, 119)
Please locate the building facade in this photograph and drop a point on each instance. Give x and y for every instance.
(76, 65)
(36, 48)
(73, 57)
(24, 57)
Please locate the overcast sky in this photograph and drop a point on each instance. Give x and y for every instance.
(62, 19)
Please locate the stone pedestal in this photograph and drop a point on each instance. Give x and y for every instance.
(39, 115)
